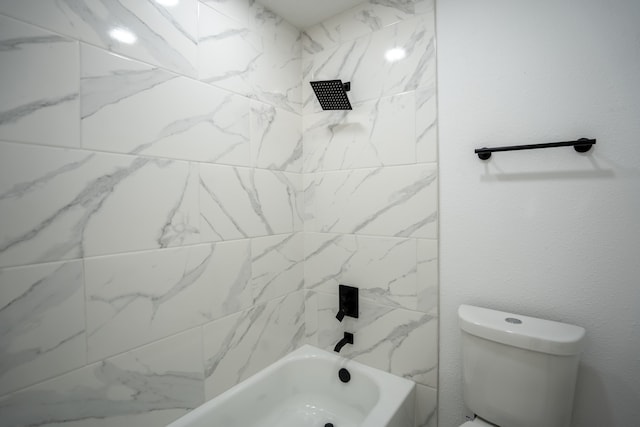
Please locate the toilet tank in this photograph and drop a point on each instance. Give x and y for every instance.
(518, 371)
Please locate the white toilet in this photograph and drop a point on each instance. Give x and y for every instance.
(518, 371)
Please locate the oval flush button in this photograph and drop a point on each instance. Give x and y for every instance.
(513, 320)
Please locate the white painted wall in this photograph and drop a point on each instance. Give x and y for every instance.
(548, 233)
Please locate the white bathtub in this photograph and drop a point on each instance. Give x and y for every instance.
(303, 390)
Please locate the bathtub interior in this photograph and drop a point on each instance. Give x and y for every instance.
(296, 394)
(303, 390)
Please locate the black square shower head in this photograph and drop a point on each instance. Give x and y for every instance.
(332, 94)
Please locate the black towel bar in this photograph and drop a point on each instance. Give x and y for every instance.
(582, 145)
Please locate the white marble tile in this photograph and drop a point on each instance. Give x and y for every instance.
(237, 203)
(43, 327)
(428, 277)
(310, 318)
(136, 218)
(276, 34)
(424, 6)
(276, 78)
(130, 107)
(398, 201)
(297, 181)
(148, 387)
(399, 341)
(227, 51)
(134, 299)
(426, 406)
(384, 269)
(364, 62)
(240, 345)
(426, 125)
(240, 10)
(358, 21)
(59, 204)
(259, 57)
(160, 35)
(276, 138)
(310, 183)
(40, 105)
(277, 266)
(376, 133)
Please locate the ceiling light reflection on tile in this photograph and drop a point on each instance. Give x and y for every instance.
(123, 35)
(395, 54)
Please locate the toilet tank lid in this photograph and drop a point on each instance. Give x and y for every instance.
(530, 333)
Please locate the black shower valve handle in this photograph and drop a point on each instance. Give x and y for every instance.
(347, 302)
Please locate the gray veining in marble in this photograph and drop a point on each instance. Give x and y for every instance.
(15, 114)
(240, 203)
(90, 198)
(363, 62)
(174, 116)
(42, 328)
(277, 266)
(148, 387)
(400, 201)
(91, 191)
(165, 36)
(361, 20)
(240, 345)
(134, 299)
(88, 201)
(41, 105)
(276, 138)
(383, 268)
(375, 133)
(396, 340)
(101, 91)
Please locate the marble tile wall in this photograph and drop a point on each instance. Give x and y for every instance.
(177, 212)
(151, 245)
(371, 190)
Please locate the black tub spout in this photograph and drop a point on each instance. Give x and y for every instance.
(347, 339)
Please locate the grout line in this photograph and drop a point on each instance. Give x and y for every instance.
(81, 149)
(145, 251)
(86, 314)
